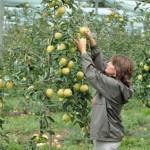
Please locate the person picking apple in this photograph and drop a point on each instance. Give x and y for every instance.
(113, 89)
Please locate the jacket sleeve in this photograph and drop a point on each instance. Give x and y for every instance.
(97, 58)
(104, 84)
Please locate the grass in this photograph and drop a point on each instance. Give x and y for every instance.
(135, 118)
(137, 124)
(22, 124)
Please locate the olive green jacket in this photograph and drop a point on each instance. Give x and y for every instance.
(111, 95)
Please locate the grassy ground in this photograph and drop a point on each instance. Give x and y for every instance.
(135, 117)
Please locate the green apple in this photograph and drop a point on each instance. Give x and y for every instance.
(141, 64)
(58, 35)
(70, 64)
(49, 92)
(61, 46)
(84, 88)
(9, 84)
(60, 11)
(63, 61)
(67, 93)
(60, 92)
(65, 71)
(83, 30)
(50, 48)
(1, 83)
(140, 77)
(146, 67)
(77, 86)
(66, 118)
(80, 75)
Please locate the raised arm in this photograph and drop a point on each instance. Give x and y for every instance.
(96, 54)
(105, 85)
(102, 83)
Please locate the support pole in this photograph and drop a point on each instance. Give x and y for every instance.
(1, 25)
(96, 6)
(102, 3)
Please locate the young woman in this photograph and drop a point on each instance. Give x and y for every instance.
(112, 83)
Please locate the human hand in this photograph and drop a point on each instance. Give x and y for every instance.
(81, 44)
(88, 34)
(94, 100)
(90, 37)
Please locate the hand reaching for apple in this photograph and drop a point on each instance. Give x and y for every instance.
(81, 44)
(90, 37)
(87, 32)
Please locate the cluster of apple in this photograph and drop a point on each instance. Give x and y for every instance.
(60, 10)
(65, 68)
(64, 93)
(61, 46)
(9, 84)
(144, 81)
(115, 17)
(42, 140)
(4, 84)
(59, 5)
(145, 68)
(80, 87)
(38, 138)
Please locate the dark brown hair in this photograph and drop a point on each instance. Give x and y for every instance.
(124, 68)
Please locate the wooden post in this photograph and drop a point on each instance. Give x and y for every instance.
(96, 6)
(99, 3)
(1, 25)
(102, 3)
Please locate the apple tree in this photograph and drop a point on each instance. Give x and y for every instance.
(144, 80)
(44, 64)
(5, 86)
